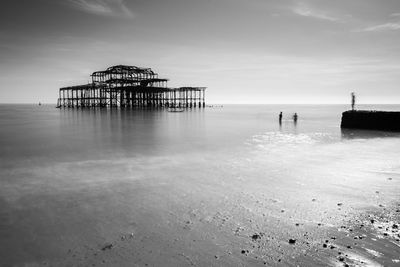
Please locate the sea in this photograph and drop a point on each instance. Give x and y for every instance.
(72, 180)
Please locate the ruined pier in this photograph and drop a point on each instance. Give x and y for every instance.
(129, 86)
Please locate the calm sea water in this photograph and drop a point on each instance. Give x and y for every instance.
(65, 172)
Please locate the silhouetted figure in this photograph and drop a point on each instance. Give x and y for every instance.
(353, 100)
(295, 117)
(280, 117)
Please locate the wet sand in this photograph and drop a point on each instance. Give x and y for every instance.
(193, 219)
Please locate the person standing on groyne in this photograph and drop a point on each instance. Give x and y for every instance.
(280, 118)
(353, 100)
(295, 117)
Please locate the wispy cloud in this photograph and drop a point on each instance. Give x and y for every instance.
(115, 8)
(307, 11)
(395, 15)
(391, 26)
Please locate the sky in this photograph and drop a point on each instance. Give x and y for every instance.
(243, 51)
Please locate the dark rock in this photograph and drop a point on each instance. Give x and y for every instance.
(107, 246)
(339, 204)
(372, 220)
(292, 241)
(341, 258)
(324, 245)
(395, 226)
(255, 237)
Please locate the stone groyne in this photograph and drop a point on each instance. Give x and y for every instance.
(371, 120)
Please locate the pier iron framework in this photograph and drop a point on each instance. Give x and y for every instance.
(129, 86)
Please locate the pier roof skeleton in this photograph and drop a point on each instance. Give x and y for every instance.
(129, 86)
(123, 69)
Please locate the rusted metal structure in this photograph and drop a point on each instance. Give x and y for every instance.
(129, 86)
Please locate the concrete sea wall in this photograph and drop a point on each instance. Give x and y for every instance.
(372, 120)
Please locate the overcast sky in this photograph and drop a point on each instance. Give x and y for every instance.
(244, 51)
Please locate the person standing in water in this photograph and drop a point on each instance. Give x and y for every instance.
(280, 117)
(353, 100)
(295, 117)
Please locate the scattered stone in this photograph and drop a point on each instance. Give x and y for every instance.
(313, 200)
(216, 256)
(297, 224)
(255, 237)
(349, 247)
(390, 178)
(372, 220)
(395, 226)
(341, 258)
(107, 246)
(339, 204)
(292, 241)
(332, 247)
(324, 245)
(377, 192)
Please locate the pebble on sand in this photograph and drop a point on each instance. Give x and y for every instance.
(107, 246)
(292, 241)
(341, 258)
(255, 237)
